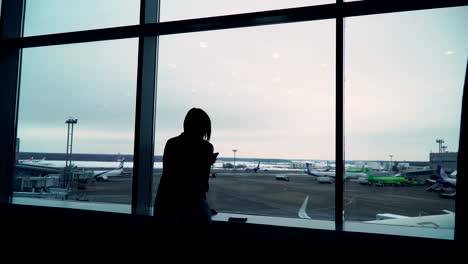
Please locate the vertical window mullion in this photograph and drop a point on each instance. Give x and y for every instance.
(460, 202)
(145, 112)
(11, 26)
(339, 128)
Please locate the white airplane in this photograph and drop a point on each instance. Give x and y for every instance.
(255, 169)
(32, 161)
(326, 176)
(322, 175)
(447, 179)
(43, 167)
(443, 180)
(104, 175)
(444, 184)
(319, 172)
(355, 173)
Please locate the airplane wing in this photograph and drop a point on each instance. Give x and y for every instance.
(446, 221)
(390, 216)
(302, 211)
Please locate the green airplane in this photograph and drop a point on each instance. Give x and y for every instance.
(390, 180)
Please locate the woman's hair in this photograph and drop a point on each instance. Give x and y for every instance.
(198, 122)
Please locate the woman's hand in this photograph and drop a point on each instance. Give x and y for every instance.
(213, 158)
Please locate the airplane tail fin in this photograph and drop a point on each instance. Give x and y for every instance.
(443, 175)
(308, 169)
(121, 165)
(257, 168)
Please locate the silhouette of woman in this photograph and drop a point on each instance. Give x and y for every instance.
(180, 207)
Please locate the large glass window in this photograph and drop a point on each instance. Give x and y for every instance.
(270, 93)
(79, 99)
(187, 9)
(404, 84)
(58, 16)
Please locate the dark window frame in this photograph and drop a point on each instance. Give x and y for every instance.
(148, 31)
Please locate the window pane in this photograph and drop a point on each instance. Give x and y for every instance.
(404, 86)
(94, 83)
(187, 9)
(57, 16)
(270, 94)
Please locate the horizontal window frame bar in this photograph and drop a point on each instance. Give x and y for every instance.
(263, 18)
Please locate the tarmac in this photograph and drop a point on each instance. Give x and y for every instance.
(263, 194)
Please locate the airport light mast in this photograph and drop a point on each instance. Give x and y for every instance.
(68, 162)
(440, 142)
(234, 150)
(391, 167)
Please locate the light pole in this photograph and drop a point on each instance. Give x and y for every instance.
(234, 150)
(67, 174)
(391, 167)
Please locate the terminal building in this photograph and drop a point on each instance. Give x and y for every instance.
(448, 160)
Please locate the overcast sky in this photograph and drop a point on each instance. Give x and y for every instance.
(270, 91)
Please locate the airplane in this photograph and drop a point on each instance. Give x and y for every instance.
(318, 172)
(43, 168)
(355, 173)
(256, 169)
(364, 176)
(446, 179)
(442, 182)
(36, 168)
(32, 161)
(326, 176)
(396, 179)
(104, 175)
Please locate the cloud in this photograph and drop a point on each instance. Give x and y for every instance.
(203, 45)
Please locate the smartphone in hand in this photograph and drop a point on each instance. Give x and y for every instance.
(214, 157)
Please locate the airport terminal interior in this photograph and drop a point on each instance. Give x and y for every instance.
(335, 125)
